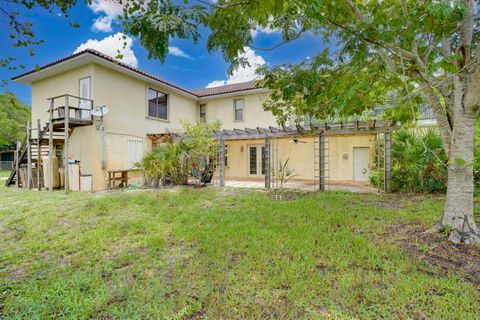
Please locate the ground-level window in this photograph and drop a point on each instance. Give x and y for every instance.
(135, 152)
(157, 104)
(238, 109)
(203, 113)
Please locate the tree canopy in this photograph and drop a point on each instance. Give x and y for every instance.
(396, 53)
(13, 116)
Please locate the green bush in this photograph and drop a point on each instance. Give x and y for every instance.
(418, 162)
(166, 164)
(173, 162)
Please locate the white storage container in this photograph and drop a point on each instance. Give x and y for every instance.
(86, 182)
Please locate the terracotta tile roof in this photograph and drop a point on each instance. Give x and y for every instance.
(109, 59)
(250, 85)
(229, 88)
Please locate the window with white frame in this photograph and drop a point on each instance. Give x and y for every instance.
(135, 152)
(157, 104)
(203, 113)
(238, 109)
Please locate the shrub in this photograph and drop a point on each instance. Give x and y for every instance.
(418, 162)
(173, 162)
(166, 164)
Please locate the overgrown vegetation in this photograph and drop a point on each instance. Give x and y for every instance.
(14, 114)
(419, 163)
(175, 161)
(222, 253)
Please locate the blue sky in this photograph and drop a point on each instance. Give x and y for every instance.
(192, 67)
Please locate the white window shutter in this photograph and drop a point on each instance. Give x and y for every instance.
(135, 152)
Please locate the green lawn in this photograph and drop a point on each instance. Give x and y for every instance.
(212, 253)
(4, 174)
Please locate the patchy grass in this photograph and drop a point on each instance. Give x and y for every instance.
(213, 253)
(4, 174)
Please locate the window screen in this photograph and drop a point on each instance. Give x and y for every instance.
(238, 109)
(157, 104)
(203, 113)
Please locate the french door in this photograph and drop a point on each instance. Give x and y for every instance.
(256, 160)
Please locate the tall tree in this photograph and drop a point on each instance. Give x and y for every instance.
(406, 49)
(13, 116)
(20, 31)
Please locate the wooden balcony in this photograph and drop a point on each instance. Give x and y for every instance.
(78, 114)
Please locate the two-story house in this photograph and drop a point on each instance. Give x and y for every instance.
(143, 108)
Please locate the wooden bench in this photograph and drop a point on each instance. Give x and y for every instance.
(117, 175)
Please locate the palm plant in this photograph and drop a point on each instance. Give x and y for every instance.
(284, 173)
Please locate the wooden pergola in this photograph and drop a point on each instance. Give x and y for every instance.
(318, 130)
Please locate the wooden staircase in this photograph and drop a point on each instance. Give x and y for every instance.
(27, 169)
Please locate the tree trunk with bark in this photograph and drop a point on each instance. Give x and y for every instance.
(458, 213)
(458, 216)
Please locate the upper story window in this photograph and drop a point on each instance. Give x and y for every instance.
(157, 104)
(238, 109)
(203, 113)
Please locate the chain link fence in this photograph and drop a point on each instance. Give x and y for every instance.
(6, 165)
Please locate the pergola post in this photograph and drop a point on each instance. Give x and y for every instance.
(17, 163)
(321, 162)
(50, 147)
(222, 162)
(65, 145)
(388, 161)
(267, 162)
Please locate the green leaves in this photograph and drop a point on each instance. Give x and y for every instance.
(13, 117)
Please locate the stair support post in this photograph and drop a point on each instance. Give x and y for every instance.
(50, 147)
(29, 155)
(39, 156)
(17, 160)
(65, 146)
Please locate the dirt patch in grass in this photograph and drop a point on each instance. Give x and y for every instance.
(289, 195)
(440, 256)
(392, 201)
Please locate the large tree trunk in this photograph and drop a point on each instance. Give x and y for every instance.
(458, 214)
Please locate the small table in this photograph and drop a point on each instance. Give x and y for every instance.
(117, 175)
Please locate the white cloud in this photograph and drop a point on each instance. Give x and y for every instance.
(110, 9)
(242, 74)
(113, 46)
(176, 51)
(266, 30)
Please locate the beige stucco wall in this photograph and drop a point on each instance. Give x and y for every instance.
(341, 168)
(82, 143)
(253, 115)
(126, 98)
(301, 155)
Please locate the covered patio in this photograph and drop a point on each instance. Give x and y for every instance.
(273, 142)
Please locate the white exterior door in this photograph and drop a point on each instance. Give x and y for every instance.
(84, 92)
(361, 164)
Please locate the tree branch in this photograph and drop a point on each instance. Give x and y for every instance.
(280, 43)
